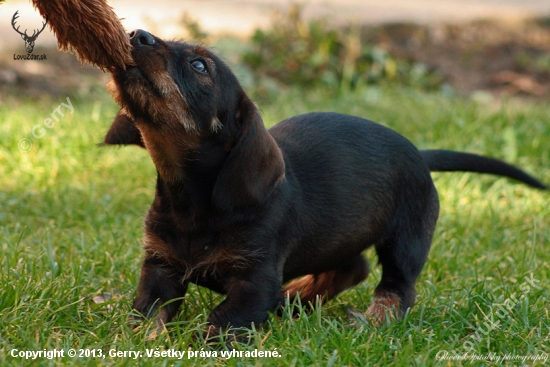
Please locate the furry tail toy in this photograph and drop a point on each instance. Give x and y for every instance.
(75, 21)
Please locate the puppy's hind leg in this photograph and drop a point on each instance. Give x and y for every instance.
(402, 256)
(327, 285)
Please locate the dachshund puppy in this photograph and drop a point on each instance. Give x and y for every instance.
(258, 215)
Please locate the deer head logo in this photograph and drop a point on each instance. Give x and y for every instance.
(29, 40)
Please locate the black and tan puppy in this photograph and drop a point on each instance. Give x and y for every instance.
(259, 215)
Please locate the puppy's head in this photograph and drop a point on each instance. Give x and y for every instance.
(175, 84)
(173, 99)
(181, 100)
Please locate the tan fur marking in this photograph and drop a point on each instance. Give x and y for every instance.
(173, 99)
(226, 259)
(170, 107)
(168, 148)
(113, 90)
(156, 247)
(305, 286)
(384, 307)
(216, 125)
(325, 285)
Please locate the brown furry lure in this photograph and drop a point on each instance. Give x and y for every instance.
(91, 29)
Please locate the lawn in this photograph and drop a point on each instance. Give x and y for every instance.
(71, 217)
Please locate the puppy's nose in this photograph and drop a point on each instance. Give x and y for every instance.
(140, 37)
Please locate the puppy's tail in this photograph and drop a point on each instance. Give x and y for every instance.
(448, 161)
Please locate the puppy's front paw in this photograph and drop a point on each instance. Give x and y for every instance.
(215, 335)
(134, 321)
(137, 320)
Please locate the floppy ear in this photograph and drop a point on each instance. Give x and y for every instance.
(254, 167)
(123, 131)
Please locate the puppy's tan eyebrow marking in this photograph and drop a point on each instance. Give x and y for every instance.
(201, 51)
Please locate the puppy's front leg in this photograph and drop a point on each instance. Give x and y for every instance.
(160, 282)
(249, 299)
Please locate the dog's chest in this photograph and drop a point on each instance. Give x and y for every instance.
(207, 253)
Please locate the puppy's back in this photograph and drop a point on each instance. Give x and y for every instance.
(352, 175)
(320, 146)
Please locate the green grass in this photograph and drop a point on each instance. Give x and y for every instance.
(71, 216)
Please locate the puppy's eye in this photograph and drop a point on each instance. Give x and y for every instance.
(199, 66)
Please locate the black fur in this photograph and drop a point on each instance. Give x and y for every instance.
(245, 211)
(448, 161)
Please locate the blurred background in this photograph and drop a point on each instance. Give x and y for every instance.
(467, 46)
